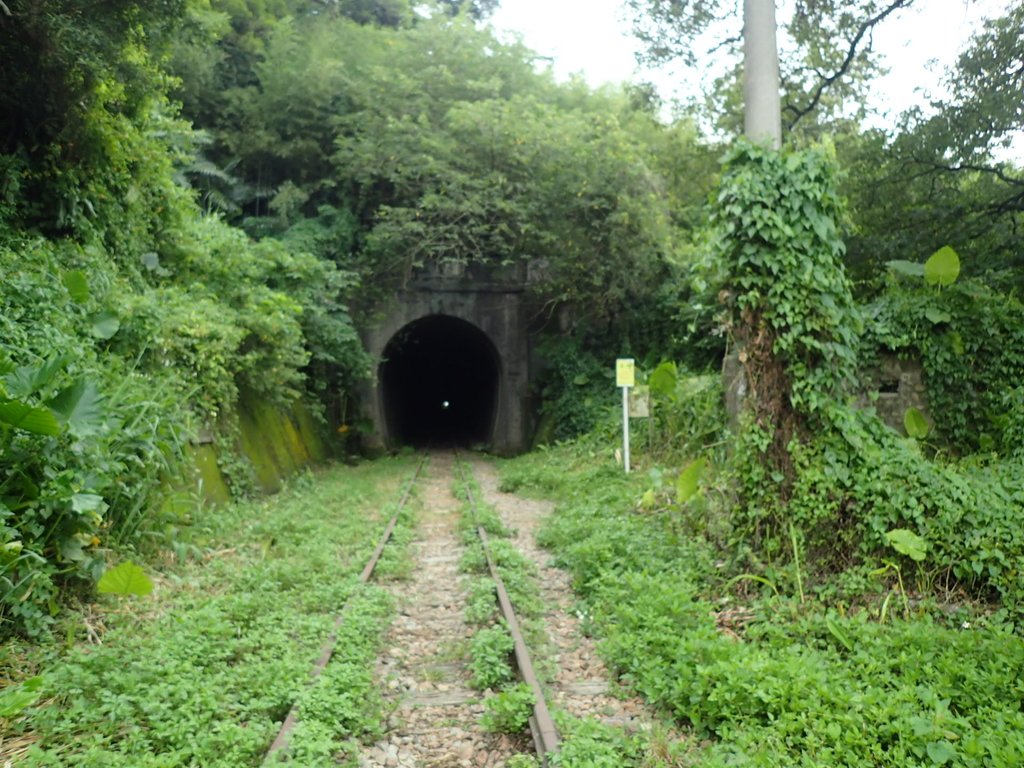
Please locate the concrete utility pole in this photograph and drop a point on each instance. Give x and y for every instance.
(762, 119)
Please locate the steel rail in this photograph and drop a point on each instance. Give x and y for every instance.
(280, 743)
(546, 739)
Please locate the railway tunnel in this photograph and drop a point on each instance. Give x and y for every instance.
(439, 382)
(452, 355)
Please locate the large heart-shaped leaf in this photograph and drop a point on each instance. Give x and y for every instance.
(80, 406)
(662, 380)
(77, 285)
(125, 579)
(105, 325)
(916, 424)
(908, 543)
(942, 267)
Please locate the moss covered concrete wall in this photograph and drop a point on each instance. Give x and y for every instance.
(276, 442)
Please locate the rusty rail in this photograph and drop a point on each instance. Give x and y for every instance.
(546, 739)
(280, 743)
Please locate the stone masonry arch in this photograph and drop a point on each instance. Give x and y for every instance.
(455, 313)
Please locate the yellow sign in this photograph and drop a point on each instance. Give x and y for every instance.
(624, 375)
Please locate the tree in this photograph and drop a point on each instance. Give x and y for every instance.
(387, 148)
(945, 178)
(984, 114)
(825, 64)
(74, 79)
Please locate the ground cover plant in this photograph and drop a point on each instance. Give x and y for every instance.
(586, 741)
(828, 592)
(204, 671)
(491, 646)
(760, 676)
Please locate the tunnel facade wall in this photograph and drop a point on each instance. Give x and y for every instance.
(491, 300)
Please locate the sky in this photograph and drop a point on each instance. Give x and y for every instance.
(591, 37)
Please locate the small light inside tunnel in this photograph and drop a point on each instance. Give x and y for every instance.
(444, 405)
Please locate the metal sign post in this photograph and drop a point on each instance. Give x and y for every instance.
(625, 378)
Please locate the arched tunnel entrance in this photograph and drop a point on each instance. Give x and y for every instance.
(439, 383)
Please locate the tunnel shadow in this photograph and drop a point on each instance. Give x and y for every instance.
(439, 383)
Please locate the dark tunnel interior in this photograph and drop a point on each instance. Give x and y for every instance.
(439, 382)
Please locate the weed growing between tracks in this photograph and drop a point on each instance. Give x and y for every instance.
(760, 676)
(587, 742)
(491, 648)
(203, 672)
(345, 701)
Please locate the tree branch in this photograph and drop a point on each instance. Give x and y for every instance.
(851, 54)
(960, 167)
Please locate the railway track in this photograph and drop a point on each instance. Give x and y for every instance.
(422, 669)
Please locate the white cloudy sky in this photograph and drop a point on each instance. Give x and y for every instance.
(591, 36)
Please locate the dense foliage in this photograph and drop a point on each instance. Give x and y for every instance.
(791, 312)
(204, 670)
(773, 666)
(814, 474)
(386, 148)
(968, 337)
(128, 319)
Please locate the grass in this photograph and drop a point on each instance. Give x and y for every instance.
(202, 672)
(761, 675)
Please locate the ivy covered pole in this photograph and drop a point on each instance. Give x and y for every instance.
(762, 113)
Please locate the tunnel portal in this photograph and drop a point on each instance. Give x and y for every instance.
(439, 383)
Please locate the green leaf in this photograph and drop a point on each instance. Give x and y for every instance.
(105, 325)
(937, 315)
(908, 543)
(689, 480)
(581, 380)
(125, 579)
(87, 502)
(80, 406)
(957, 342)
(942, 267)
(31, 379)
(16, 698)
(838, 633)
(72, 550)
(662, 380)
(941, 752)
(77, 285)
(30, 418)
(916, 424)
(908, 268)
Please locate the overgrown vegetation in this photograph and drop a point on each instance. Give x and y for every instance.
(193, 193)
(835, 674)
(129, 321)
(826, 591)
(203, 671)
(491, 647)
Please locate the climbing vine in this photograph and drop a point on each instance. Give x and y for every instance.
(815, 475)
(790, 309)
(970, 340)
